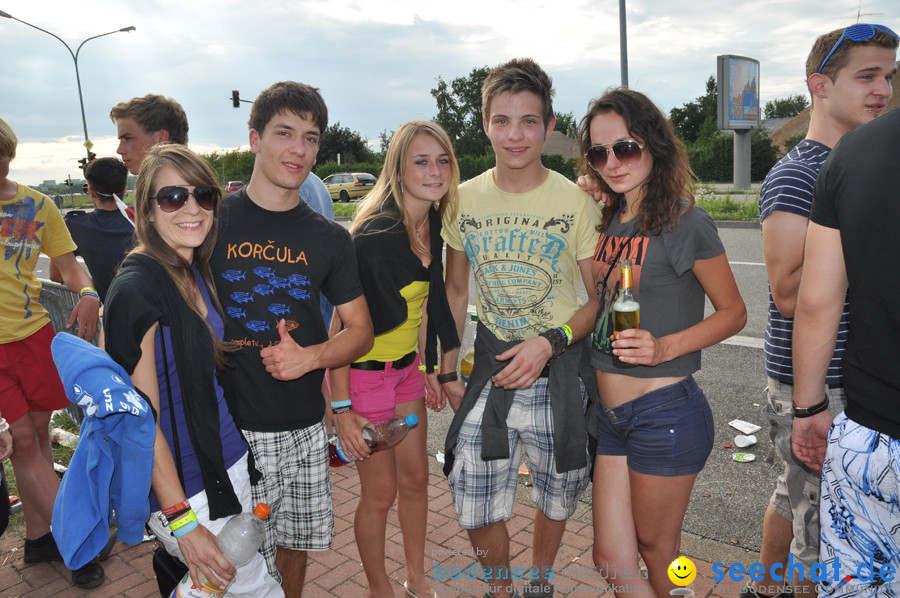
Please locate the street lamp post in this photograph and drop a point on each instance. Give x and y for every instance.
(87, 143)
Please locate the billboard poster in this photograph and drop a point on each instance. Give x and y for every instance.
(738, 96)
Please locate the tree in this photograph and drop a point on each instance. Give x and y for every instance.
(565, 124)
(459, 111)
(689, 120)
(341, 140)
(788, 107)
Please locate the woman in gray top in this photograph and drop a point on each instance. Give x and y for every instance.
(655, 425)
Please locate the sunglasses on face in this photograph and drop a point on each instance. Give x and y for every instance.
(173, 197)
(626, 152)
(857, 33)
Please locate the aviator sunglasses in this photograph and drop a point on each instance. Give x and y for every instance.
(626, 152)
(173, 197)
(857, 33)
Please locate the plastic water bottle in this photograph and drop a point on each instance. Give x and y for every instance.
(377, 437)
(239, 540)
(64, 437)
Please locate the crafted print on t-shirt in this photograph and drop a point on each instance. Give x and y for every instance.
(517, 267)
(610, 252)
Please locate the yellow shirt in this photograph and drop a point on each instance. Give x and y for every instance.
(524, 249)
(30, 224)
(403, 339)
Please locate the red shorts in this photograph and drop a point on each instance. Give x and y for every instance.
(28, 377)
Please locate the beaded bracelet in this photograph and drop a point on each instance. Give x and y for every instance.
(4, 425)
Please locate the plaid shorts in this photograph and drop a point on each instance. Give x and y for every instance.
(297, 487)
(484, 491)
(796, 495)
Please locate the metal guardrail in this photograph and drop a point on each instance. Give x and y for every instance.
(59, 301)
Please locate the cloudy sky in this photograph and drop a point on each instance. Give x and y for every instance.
(375, 61)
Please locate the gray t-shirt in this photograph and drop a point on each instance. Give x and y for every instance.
(671, 297)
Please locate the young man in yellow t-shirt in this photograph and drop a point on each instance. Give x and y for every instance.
(30, 388)
(528, 233)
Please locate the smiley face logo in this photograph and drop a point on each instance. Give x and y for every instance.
(682, 571)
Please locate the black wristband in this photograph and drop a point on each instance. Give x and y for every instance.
(448, 377)
(558, 341)
(802, 412)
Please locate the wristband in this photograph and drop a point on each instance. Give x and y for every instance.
(802, 412)
(340, 410)
(557, 339)
(182, 521)
(88, 291)
(448, 377)
(182, 506)
(568, 332)
(4, 425)
(181, 531)
(339, 404)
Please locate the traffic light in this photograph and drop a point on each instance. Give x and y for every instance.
(82, 163)
(235, 98)
(93, 157)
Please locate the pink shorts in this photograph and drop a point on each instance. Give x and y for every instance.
(28, 377)
(375, 394)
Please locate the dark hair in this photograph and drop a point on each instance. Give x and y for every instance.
(516, 76)
(824, 43)
(289, 96)
(671, 178)
(155, 113)
(106, 176)
(384, 195)
(197, 173)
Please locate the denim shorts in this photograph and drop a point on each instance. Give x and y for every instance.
(666, 432)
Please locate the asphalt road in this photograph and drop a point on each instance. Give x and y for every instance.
(729, 498)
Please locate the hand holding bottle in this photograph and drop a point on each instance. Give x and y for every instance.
(348, 427)
(203, 558)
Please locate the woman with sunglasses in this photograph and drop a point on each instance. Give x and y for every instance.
(164, 325)
(655, 425)
(397, 235)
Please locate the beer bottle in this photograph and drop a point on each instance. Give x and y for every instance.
(626, 309)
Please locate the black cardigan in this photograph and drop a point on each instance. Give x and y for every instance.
(141, 294)
(388, 264)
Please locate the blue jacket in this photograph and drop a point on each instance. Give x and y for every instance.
(113, 464)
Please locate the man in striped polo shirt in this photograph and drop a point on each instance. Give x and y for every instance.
(850, 83)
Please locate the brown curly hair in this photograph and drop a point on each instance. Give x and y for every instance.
(671, 178)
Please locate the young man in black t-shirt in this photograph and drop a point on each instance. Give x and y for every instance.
(274, 258)
(105, 234)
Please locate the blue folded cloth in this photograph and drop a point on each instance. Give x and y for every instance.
(112, 467)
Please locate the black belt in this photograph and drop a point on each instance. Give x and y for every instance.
(375, 366)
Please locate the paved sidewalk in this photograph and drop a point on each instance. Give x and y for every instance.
(338, 572)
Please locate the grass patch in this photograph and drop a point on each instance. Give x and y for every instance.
(345, 210)
(725, 207)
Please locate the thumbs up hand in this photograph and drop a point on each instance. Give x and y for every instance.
(287, 360)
